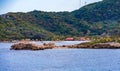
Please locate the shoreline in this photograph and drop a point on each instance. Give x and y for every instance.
(51, 45)
(110, 45)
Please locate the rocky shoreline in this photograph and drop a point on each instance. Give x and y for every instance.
(110, 45)
(33, 46)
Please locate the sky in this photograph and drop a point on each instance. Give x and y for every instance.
(42, 5)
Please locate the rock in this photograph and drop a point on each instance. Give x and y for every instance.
(49, 45)
(31, 46)
(98, 46)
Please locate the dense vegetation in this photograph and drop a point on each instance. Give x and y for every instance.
(101, 18)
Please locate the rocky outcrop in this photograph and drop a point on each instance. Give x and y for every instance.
(31, 46)
(111, 45)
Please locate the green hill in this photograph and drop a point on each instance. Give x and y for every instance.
(100, 11)
(101, 18)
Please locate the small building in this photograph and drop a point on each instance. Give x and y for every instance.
(69, 39)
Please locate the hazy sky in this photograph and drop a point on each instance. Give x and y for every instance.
(43, 5)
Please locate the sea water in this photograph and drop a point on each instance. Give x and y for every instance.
(59, 59)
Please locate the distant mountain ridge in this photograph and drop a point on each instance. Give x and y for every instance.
(100, 18)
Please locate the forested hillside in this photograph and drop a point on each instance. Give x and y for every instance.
(101, 18)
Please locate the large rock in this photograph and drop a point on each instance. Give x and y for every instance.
(111, 45)
(31, 46)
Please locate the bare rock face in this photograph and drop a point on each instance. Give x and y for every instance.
(31, 46)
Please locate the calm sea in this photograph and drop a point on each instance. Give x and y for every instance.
(59, 59)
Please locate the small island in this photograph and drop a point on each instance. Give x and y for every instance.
(100, 43)
(96, 43)
(31, 46)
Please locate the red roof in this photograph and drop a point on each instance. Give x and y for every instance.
(69, 39)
